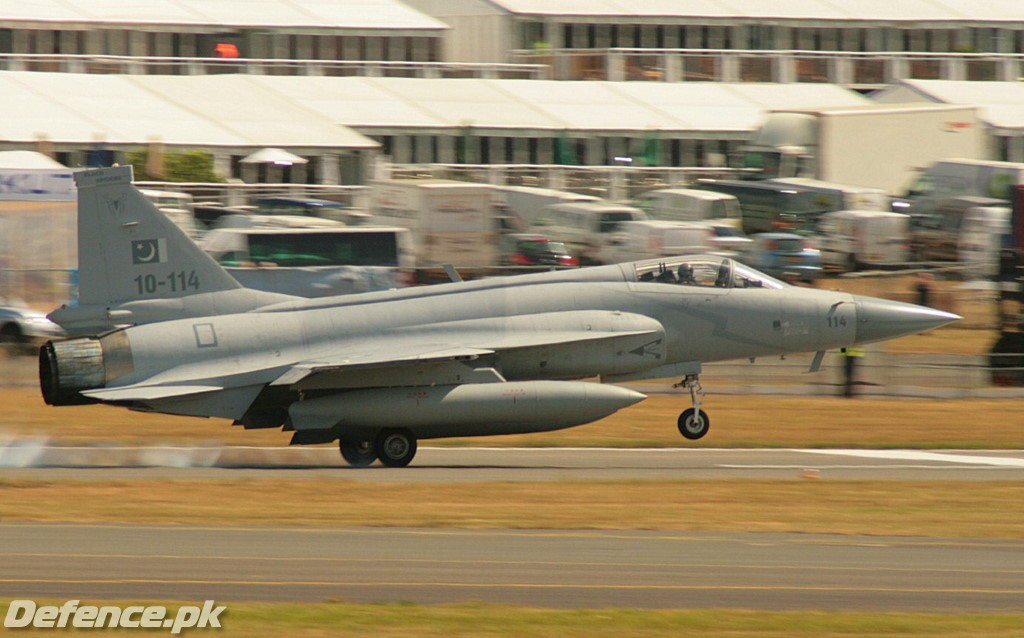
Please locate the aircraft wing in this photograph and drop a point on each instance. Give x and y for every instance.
(357, 368)
(439, 364)
(148, 392)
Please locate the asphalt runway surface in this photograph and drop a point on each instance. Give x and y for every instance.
(536, 568)
(449, 465)
(564, 569)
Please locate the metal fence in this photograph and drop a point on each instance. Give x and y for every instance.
(241, 194)
(154, 65)
(851, 69)
(615, 183)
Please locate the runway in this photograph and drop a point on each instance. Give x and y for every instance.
(564, 569)
(451, 465)
(537, 568)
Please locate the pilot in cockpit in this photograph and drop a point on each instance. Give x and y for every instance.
(685, 274)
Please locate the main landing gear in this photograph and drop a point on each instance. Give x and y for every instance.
(693, 422)
(394, 448)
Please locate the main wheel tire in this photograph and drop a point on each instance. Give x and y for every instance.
(12, 341)
(358, 453)
(693, 425)
(395, 448)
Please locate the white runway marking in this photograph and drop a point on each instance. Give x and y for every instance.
(917, 455)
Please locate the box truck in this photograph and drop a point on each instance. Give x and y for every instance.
(690, 205)
(451, 222)
(854, 239)
(878, 146)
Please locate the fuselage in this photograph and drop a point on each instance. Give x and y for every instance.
(689, 323)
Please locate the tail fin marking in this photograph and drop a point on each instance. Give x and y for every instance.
(130, 251)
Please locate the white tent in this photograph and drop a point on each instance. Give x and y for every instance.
(319, 14)
(906, 10)
(379, 104)
(27, 160)
(230, 112)
(277, 156)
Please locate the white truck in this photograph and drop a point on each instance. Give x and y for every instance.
(957, 177)
(690, 205)
(648, 239)
(984, 233)
(528, 203)
(854, 239)
(591, 230)
(878, 146)
(451, 222)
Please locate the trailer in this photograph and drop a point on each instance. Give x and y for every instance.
(875, 146)
(451, 222)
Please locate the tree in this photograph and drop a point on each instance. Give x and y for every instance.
(188, 166)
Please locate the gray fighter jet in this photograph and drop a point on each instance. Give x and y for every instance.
(379, 371)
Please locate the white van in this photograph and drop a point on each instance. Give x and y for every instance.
(690, 205)
(984, 232)
(649, 239)
(851, 239)
(588, 229)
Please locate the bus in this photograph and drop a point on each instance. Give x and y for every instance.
(773, 207)
(314, 262)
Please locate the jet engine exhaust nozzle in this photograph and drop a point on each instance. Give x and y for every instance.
(68, 367)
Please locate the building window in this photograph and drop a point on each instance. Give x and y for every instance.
(567, 32)
(485, 150)
(1002, 148)
(760, 37)
(532, 35)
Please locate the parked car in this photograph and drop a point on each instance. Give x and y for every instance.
(786, 256)
(528, 249)
(726, 238)
(23, 329)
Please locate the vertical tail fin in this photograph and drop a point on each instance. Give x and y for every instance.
(136, 266)
(129, 251)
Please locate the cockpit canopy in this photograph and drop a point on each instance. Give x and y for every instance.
(703, 270)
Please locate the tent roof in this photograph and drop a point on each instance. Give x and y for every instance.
(883, 10)
(318, 14)
(27, 159)
(248, 112)
(548, 105)
(1002, 103)
(203, 111)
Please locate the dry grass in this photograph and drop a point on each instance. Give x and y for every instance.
(737, 421)
(932, 508)
(401, 620)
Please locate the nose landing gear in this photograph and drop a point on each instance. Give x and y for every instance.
(693, 422)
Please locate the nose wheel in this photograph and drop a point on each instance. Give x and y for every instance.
(693, 422)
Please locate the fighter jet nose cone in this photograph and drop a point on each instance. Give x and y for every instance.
(880, 319)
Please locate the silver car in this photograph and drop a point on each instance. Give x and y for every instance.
(23, 329)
